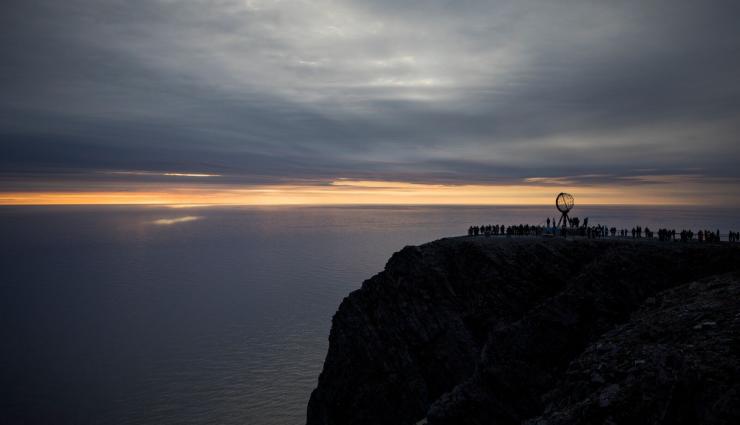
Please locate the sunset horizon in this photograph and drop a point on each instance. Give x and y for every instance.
(348, 192)
(370, 212)
(260, 95)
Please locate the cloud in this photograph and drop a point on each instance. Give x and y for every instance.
(308, 92)
(170, 174)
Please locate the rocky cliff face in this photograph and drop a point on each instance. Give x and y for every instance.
(509, 331)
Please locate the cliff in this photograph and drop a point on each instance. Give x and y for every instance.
(536, 331)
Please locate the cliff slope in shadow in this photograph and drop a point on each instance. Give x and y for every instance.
(508, 331)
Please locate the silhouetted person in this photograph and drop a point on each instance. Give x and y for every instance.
(548, 222)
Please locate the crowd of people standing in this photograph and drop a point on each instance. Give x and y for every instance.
(599, 231)
(708, 236)
(500, 229)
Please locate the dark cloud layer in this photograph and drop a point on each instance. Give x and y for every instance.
(266, 92)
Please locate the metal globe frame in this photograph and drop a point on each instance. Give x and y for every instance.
(564, 203)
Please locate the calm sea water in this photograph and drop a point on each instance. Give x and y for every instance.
(141, 315)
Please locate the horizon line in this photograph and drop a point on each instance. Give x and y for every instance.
(357, 204)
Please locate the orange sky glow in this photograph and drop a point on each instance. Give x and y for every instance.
(380, 192)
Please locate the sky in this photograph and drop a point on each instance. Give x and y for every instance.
(403, 101)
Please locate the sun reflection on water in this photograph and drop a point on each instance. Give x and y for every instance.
(176, 220)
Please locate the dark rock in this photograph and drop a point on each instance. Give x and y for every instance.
(488, 330)
(680, 375)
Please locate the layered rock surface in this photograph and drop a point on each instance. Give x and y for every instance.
(508, 331)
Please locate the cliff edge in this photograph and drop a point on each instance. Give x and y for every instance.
(538, 331)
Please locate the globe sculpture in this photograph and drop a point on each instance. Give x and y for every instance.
(564, 203)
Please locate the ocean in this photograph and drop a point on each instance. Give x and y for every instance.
(156, 315)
